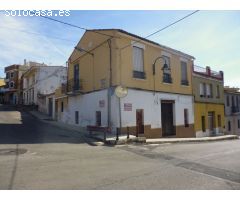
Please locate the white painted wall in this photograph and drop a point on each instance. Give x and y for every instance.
(88, 104)
(152, 107)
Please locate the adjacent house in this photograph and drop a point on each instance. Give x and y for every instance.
(2, 89)
(232, 111)
(12, 93)
(208, 101)
(158, 100)
(39, 85)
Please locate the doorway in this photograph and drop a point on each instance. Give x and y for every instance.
(167, 118)
(211, 122)
(50, 107)
(139, 122)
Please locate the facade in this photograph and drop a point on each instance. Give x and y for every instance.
(232, 111)
(157, 104)
(2, 89)
(208, 101)
(39, 85)
(12, 94)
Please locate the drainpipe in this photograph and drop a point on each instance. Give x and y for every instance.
(110, 83)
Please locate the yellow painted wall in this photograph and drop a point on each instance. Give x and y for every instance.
(202, 109)
(2, 82)
(94, 69)
(151, 52)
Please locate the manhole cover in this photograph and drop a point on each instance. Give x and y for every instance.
(4, 152)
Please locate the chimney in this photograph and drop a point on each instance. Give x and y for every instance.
(221, 74)
(208, 70)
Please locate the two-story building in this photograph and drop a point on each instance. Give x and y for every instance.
(39, 85)
(232, 110)
(158, 100)
(208, 101)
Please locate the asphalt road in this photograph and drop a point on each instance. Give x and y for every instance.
(37, 155)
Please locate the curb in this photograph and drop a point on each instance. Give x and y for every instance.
(193, 140)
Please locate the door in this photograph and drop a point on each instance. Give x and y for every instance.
(98, 118)
(50, 107)
(211, 122)
(167, 119)
(76, 77)
(139, 122)
(56, 110)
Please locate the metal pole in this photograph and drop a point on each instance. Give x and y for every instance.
(120, 119)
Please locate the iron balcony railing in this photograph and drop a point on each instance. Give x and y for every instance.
(74, 85)
(235, 109)
(167, 78)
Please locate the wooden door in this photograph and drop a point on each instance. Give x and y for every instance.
(167, 119)
(139, 122)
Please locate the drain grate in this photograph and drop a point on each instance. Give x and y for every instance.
(6, 152)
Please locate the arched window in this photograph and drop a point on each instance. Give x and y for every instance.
(11, 84)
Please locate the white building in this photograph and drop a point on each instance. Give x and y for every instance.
(232, 110)
(39, 85)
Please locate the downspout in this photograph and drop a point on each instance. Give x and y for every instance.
(110, 83)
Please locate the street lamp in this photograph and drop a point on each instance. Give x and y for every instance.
(165, 67)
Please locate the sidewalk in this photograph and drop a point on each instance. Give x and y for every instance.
(111, 138)
(187, 140)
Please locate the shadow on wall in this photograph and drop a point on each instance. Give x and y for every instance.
(18, 127)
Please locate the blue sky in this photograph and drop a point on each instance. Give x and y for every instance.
(212, 37)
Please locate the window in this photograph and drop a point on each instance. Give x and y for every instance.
(208, 89)
(227, 100)
(204, 90)
(203, 124)
(211, 91)
(233, 104)
(229, 126)
(186, 122)
(11, 74)
(219, 121)
(237, 101)
(166, 71)
(7, 75)
(98, 118)
(76, 117)
(218, 92)
(201, 90)
(62, 106)
(76, 81)
(138, 63)
(238, 123)
(184, 80)
(12, 84)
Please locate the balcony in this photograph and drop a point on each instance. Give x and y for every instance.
(235, 109)
(185, 82)
(74, 87)
(139, 74)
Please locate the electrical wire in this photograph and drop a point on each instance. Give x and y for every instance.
(72, 25)
(161, 29)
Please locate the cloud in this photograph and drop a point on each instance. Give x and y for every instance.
(17, 45)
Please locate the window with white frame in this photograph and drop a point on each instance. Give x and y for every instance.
(208, 89)
(138, 62)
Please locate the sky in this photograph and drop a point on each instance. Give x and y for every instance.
(212, 37)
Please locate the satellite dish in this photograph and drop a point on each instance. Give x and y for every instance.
(121, 91)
